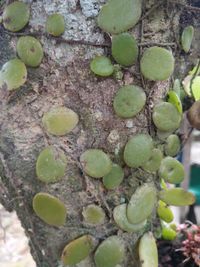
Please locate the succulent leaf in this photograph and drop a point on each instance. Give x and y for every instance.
(30, 51)
(112, 15)
(120, 217)
(129, 101)
(77, 250)
(13, 74)
(49, 209)
(51, 165)
(174, 99)
(172, 145)
(166, 117)
(186, 38)
(141, 203)
(96, 163)
(102, 66)
(60, 120)
(148, 252)
(16, 16)
(93, 214)
(110, 252)
(138, 150)
(114, 178)
(177, 197)
(55, 24)
(124, 49)
(164, 212)
(153, 164)
(157, 64)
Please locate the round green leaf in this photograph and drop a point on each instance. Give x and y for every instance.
(77, 250)
(49, 209)
(114, 178)
(102, 66)
(148, 252)
(163, 135)
(96, 163)
(164, 212)
(60, 121)
(138, 150)
(55, 24)
(166, 117)
(124, 49)
(153, 164)
(13, 74)
(117, 16)
(30, 51)
(157, 64)
(195, 86)
(141, 204)
(187, 85)
(177, 197)
(110, 252)
(93, 214)
(51, 165)
(171, 170)
(119, 215)
(173, 98)
(177, 87)
(186, 38)
(172, 145)
(129, 101)
(168, 234)
(16, 16)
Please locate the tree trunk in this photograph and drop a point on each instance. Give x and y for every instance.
(64, 78)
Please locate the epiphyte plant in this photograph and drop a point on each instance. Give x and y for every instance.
(30, 51)
(102, 66)
(157, 64)
(171, 170)
(186, 38)
(110, 252)
(124, 49)
(141, 203)
(60, 120)
(164, 212)
(138, 150)
(111, 16)
(16, 16)
(120, 218)
(93, 215)
(49, 209)
(177, 197)
(55, 24)
(96, 163)
(77, 250)
(114, 178)
(13, 74)
(51, 165)
(153, 164)
(148, 252)
(173, 145)
(166, 117)
(129, 101)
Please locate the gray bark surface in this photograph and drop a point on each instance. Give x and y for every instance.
(64, 78)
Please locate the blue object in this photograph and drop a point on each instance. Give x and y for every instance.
(194, 184)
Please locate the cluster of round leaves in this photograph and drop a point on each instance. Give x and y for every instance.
(29, 50)
(156, 64)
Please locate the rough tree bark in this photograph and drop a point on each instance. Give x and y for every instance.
(64, 78)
